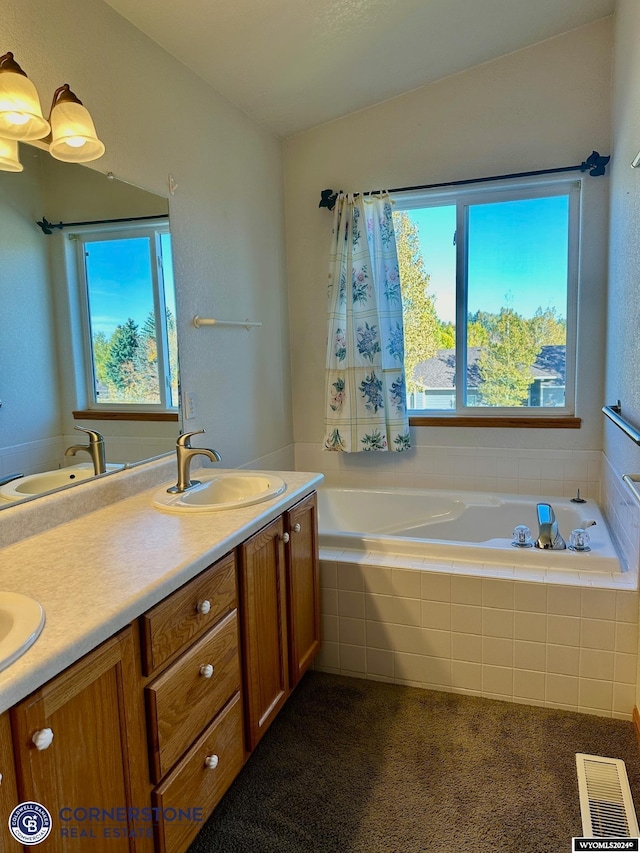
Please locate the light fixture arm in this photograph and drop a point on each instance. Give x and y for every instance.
(8, 63)
(63, 94)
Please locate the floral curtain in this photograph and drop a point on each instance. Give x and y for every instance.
(365, 392)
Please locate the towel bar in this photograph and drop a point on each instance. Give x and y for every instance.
(633, 481)
(614, 413)
(198, 322)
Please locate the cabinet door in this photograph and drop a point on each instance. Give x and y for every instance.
(303, 587)
(264, 627)
(97, 758)
(8, 789)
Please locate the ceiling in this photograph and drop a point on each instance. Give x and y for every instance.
(295, 64)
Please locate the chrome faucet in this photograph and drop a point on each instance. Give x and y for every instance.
(185, 454)
(95, 449)
(548, 534)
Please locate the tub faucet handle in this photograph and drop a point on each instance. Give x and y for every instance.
(579, 540)
(522, 537)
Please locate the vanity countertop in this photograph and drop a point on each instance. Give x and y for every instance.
(97, 573)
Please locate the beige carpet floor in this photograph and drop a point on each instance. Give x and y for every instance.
(354, 766)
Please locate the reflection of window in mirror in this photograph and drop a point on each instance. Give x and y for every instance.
(128, 299)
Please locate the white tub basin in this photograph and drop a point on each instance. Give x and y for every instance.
(222, 491)
(21, 621)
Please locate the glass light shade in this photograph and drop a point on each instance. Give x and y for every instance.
(20, 112)
(9, 161)
(73, 136)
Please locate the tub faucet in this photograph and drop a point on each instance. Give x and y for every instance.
(548, 534)
(95, 449)
(185, 454)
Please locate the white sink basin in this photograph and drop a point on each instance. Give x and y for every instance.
(21, 621)
(37, 484)
(222, 491)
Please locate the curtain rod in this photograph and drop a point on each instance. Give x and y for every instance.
(47, 227)
(595, 164)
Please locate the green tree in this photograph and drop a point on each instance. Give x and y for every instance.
(147, 358)
(421, 326)
(548, 327)
(120, 363)
(505, 364)
(480, 328)
(100, 355)
(146, 362)
(447, 335)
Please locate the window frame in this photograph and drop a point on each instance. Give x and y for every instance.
(484, 193)
(82, 236)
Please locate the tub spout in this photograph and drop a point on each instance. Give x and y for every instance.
(549, 536)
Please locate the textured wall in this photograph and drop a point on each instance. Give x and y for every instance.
(541, 107)
(28, 385)
(156, 118)
(623, 338)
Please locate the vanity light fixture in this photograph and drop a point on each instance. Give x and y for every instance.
(73, 135)
(20, 111)
(635, 163)
(9, 161)
(69, 135)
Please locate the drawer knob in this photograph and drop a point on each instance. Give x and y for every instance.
(42, 739)
(204, 607)
(285, 538)
(211, 762)
(297, 528)
(206, 670)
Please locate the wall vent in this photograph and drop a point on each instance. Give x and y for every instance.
(605, 798)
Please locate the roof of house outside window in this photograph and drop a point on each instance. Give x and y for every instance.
(439, 372)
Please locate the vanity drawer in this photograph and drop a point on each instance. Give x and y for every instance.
(197, 783)
(185, 615)
(186, 697)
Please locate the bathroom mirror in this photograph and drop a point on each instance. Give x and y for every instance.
(41, 370)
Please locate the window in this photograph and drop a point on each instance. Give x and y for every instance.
(489, 284)
(128, 298)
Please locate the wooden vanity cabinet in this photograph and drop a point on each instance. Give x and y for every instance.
(165, 713)
(279, 588)
(8, 785)
(96, 758)
(263, 594)
(303, 586)
(193, 697)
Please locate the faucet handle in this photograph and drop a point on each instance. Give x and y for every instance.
(184, 440)
(93, 434)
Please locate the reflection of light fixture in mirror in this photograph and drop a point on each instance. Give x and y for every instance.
(73, 135)
(20, 111)
(9, 161)
(69, 134)
(635, 163)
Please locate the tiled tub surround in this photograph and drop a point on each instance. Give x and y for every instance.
(484, 469)
(453, 628)
(623, 515)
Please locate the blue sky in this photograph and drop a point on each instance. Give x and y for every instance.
(120, 282)
(517, 255)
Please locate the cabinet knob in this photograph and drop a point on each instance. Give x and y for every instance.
(297, 528)
(203, 607)
(0, 778)
(285, 538)
(42, 739)
(211, 762)
(206, 670)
